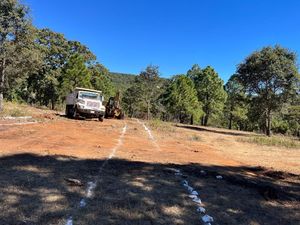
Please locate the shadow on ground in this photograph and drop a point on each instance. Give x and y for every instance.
(33, 191)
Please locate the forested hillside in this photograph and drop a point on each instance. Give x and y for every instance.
(41, 66)
(121, 81)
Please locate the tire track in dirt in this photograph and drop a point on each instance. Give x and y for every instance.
(151, 137)
(93, 184)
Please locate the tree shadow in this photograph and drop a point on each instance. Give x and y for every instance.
(212, 130)
(34, 190)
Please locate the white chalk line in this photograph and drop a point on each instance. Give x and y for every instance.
(194, 195)
(151, 137)
(93, 184)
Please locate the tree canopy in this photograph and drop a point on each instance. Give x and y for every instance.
(210, 91)
(181, 99)
(269, 76)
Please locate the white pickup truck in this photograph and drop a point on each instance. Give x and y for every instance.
(85, 103)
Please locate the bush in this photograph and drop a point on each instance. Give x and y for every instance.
(280, 126)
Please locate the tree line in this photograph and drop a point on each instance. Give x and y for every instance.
(40, 66)
(263, 95)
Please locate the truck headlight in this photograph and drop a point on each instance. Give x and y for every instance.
(80, 106)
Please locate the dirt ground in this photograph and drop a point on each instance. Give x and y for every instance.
(138, 185)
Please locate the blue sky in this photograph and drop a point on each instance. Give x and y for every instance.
(127, 35)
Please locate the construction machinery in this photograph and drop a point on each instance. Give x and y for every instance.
(113, 108)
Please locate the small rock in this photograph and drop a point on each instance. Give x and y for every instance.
(219, 177)
(178, 174)
(190, 189)
(203, 172)
(207, 219)
(194, 193)
(74, 182)
(82, 203)
(193, 196)
(197, 200)
(201, 209)
(185, 183)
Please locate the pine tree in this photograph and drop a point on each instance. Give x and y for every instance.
(236, 107)
(210, 91)
(75, 74)
(181, 99)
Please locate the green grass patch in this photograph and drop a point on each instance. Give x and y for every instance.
(279, 141)
(159, 125)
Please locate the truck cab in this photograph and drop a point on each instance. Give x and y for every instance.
(85, 103)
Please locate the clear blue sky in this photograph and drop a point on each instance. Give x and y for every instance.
(127, 35)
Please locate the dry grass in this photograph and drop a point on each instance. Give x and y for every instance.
(195, 137)
(279, 141)
(159, 125)
(15, 109)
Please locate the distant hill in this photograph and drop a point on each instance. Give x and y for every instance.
(121, 81)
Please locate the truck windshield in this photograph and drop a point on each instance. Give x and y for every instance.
(89, 95)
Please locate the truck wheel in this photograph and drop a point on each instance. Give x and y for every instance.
(121, 116)
(101, 118)
(68, 111)
(75, 114)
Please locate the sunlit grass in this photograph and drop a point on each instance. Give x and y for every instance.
(14, 109)
(279, 141)
(159, 125)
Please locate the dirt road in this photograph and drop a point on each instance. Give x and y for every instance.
(137, 185)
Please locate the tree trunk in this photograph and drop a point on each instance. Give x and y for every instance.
(192, 119)
(206, 119)
(269, 123)
(180, 118)
(2, 81)
(148, 110)
(230, 122)
(1, 101)
(202, 121)
(52, 104)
